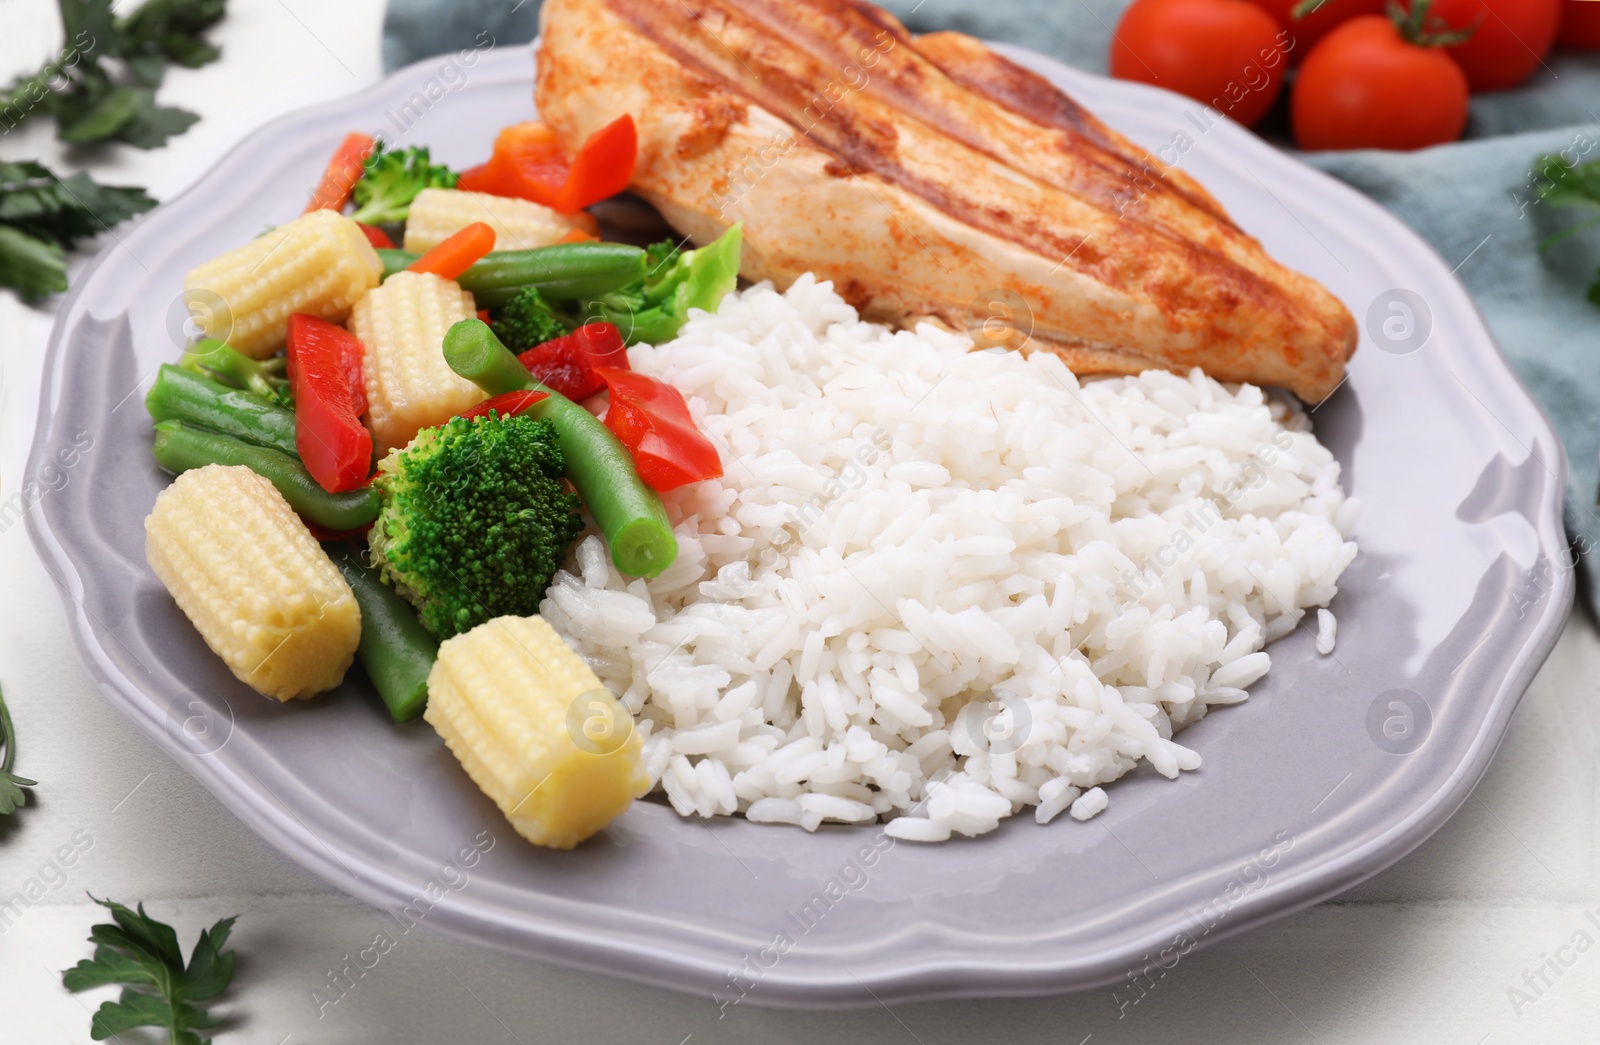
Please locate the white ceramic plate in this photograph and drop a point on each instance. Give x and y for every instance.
(1335, 768)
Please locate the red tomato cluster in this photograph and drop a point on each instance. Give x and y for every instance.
(1366, 79)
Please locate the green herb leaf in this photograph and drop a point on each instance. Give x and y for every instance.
(210, 967)
(12, 797)
(1565, 184)
(91, 20)
(94, 100)
(94, 115)
(1568, 185)
(42, 216)
(147, 69)
(152, 124)
(187, 51)
(97, 207)
(1594, 290)
(31, 266)
(172, 28)
(26, 96)
(179, 1019)
(142, 955)
(108, 967)
(36, 202)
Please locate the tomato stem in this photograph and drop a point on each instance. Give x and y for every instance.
(1419, 26)
(1306, 8)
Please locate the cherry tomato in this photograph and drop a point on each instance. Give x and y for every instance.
(1580, 25)
(1365, 86)
(1510, 42)
(1229, 54)
(1316, 24)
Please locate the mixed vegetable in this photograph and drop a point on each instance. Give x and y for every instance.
(381, 449)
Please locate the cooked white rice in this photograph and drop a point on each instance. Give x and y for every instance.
(937, 586)
(1327, 631)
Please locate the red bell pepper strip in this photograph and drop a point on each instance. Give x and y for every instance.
(352, 360)
(650, 418)
(603, 344)
(603, 167)
(329, 399)
(342, 173)
(507, 404)
(523, 152)
(377, 237)
(479, 179)
(527, 163)
(457, 252)
(569, 363)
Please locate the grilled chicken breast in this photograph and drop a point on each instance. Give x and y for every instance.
(927, 176)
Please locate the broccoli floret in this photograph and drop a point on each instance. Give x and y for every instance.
(654, 309)
(391, 180)
(475, 521)
(526, 320)
(658, 256)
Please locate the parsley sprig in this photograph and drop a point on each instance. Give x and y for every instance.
(43, 216)
(12, 797)
(1577, 185)
(142, 955)
(103, 85)
(100, 88)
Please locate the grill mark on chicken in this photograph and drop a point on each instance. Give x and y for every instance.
(1029, 95)
(1072, 151)
(723, 44)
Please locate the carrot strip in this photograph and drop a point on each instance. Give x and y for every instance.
(457, 253)
(342, 173)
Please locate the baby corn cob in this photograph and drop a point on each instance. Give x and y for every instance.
(409, 385)
(535, 730)
(253, 581)
(517, 224)
(319, 263)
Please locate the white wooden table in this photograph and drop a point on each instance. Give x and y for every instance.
(1483, 935)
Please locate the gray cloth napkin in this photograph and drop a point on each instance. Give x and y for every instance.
(1473, 201)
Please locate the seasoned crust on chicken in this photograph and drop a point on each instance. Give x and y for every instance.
(926, 176)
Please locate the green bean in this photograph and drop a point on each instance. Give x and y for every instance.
(264, 377)
(395, 260)
(180, 447)
(628, 513)
(395, 649)
(563, 272)
(184, 395)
